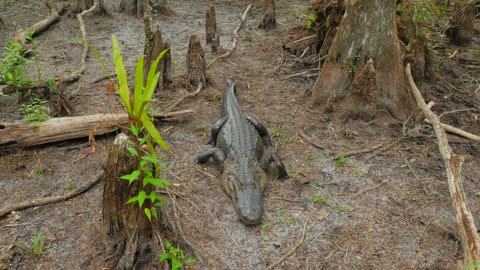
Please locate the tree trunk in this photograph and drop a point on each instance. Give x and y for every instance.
(196, 65)
(136, 7)
(210, 24)
(124, 220)
(367, 32)
(462, 22)
(154, 45)
(268, 20)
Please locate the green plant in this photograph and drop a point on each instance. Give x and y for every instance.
(474, 265)
(14, 61)
(35, 111)
(176, 256)
(38, 172)
(264, 224)
(52, 86)
(353, 62)
(278, 131)
(323, 200)
(69, 184)
(311, 20)
(341, 159)
(288, 140)
(37, 244)
(143, 130)
(217, 96)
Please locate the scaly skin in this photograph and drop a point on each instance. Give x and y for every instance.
(239, 147)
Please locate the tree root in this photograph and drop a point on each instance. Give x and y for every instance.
(49, 200)
(188, 95)
(235, 36)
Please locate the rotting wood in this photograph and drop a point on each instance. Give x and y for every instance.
(49, 200)
(22, 134)
(43, 25)
(468, 233)
(196, 64)
(268, 20)
(235, 37)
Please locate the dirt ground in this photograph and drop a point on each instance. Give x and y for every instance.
(387, 209)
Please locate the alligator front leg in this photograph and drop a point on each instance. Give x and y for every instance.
(215, 129)
(214, 152)
(262, 131)
(272, 160)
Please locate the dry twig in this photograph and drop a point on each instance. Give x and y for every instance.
(469, 236)
(48, 200)
(235, 36)
(368, 189)
(302, 239)
(310, 140)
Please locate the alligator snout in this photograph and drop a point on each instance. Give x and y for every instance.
(249, 206)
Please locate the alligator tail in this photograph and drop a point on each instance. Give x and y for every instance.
(231, 84)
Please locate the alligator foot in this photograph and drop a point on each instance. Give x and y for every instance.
(214, 152)
(215, 129)
(273, 161)
(262, 131)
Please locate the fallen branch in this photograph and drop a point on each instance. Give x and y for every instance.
(63, 128)
(453, 163)
(300, 74)
(457, 131)
(48, 200)
(44, 24)
(189, 95)
(371, 149)
(302, 239)
(74, 76)
(235, 36)
(368, 189)
(310, 141)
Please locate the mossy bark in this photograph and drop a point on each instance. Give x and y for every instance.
(367, 32)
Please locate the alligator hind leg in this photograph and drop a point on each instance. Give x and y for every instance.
(273, 161)
(214, 152)
(215, 129)
(262, 131)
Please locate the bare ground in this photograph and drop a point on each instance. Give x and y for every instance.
(405, 222)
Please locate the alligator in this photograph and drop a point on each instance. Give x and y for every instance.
(238, 144)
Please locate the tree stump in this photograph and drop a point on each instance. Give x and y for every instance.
(154, 45)
(210, 24)
(162, 7)
(137, 7)
(268, 20)
(462, 22)
(127, 221)
(87, 4)
(196, 64)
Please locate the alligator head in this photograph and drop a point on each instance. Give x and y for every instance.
(244, 181)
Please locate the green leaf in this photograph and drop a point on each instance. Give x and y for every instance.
(143, 139)
(132, 199)
(138, 90)
(122, 76)
(154, 197)
(152, 79)
(176, 264)
(132, 151)
(190, 261)
(154, 212)
(141, 198)
(151, 158)
(99, 58)
(153, 131)
(134, 130)
(148, 213)
(164, 257)
(131, 177)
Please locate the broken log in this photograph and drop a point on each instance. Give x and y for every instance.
(25, 134)
(196, 64)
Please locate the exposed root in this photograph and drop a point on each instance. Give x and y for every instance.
(49, 200)
(235, 37)
(373, 148)
(188, 95)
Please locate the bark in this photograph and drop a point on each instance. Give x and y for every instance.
(154, 45)
(24, 134)
(462, 22)
(210, 24)
(367, 32)
(196, 64)
(268, 20)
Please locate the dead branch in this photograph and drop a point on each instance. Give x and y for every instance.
(453, 163)
(368, 189)
(371, 149)
(188, 95)
(64, 128)
(235, 36)
(310, 140)
(302, 239)
(74, 76)
(54, 199)
(44, 24)
(457, 131)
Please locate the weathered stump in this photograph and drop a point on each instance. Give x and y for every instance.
(196, 64)
(268, 20)
(210, 24)
(128, 222)
(154, 45)
(462, 22)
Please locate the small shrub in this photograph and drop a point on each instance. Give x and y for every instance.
(35, 111)
(37, 244)
(177, 257)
